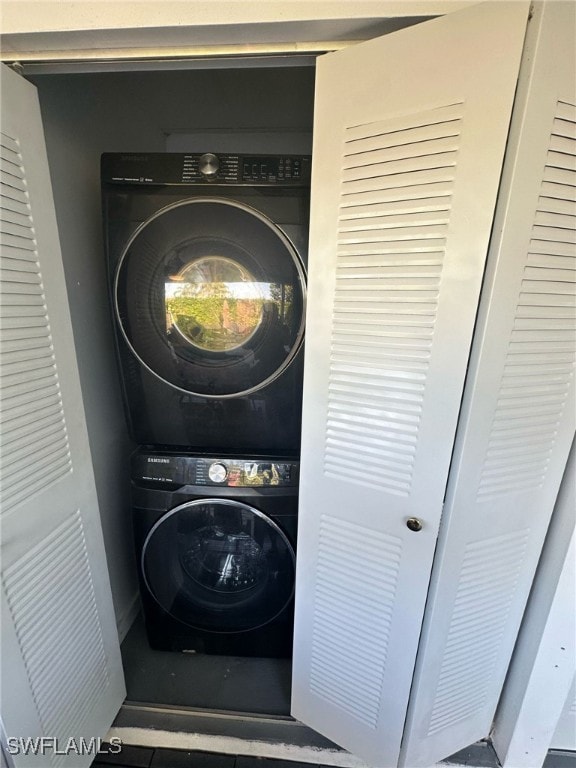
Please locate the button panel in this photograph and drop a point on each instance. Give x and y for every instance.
(273, 169)
(171, 168)
(225, 169)
(242, 473)
(169, 469)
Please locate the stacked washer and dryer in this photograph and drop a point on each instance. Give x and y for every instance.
(206, 258)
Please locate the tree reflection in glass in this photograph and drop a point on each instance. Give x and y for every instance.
(215, 303)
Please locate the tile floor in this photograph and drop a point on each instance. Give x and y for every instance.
(144, 757)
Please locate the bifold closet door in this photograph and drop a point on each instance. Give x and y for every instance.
(409, 138)
(61, 669)
(518, 417)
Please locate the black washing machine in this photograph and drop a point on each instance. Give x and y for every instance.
(215, 541)
(206, 260)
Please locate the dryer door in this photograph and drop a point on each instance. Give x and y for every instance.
(219, 565)
(210, 296)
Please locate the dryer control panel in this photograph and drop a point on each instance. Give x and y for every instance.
(171, 168)
(253, 472)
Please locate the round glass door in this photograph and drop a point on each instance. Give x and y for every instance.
(210, 296)
(219, 565)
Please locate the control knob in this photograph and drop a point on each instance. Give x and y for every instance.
(208, 165)
(217, 472)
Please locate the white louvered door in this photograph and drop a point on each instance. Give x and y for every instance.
(518, 417)
(409, 138)
(61, 668)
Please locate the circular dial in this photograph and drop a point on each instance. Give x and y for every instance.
(209, 165)
(217, 472)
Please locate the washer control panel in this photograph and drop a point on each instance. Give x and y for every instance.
(170, 168)
(175, 469)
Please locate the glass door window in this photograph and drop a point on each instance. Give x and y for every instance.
(210, 296)
(219, 565)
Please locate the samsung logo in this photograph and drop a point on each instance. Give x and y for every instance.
(157, 460)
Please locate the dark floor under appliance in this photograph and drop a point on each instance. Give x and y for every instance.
(142, 757)
(233, 684)
(230, 683)
(480, 755)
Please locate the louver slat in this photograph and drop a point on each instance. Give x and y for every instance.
(29, 379)
(547, 303)
(481, 605)
(389, 266)
(65, 659)
(343, 628)
(12, 198)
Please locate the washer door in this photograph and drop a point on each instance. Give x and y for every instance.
(210, 296)
(219, 566)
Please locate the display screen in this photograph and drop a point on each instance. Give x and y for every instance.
(253, 474)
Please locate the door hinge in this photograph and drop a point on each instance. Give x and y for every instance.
(17, 67)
